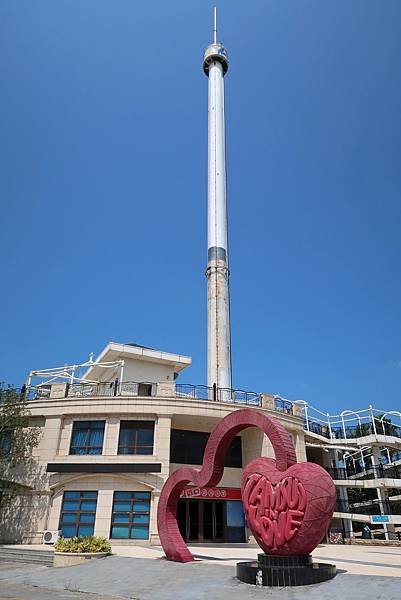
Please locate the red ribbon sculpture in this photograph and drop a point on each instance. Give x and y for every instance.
(288, 505)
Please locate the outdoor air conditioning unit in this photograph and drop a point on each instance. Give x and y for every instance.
(50, 537)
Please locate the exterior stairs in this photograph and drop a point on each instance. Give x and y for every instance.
(25, 554)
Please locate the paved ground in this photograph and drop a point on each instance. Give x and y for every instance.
(120, 577)
(356, 560)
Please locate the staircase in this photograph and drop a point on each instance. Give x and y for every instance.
(25, 554)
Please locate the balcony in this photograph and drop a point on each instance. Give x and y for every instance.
(379, 472)
(149, 389)
(369, 507)
(351, 432)
(163, 389)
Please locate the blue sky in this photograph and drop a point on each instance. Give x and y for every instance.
(103, 148)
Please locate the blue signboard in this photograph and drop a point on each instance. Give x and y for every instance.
(380, 519)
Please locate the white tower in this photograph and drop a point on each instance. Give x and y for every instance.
(215, 65)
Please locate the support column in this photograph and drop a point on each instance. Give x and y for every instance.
(382, 495)
(162, 451)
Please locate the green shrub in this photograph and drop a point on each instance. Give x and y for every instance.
(89, 543)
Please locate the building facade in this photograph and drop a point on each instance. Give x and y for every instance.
(110, 439)
(107, 446)
(362, 452)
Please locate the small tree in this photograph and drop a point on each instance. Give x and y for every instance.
(17, 439)
(384, 426)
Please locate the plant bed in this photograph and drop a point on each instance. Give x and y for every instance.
(372, 542)
(73, 551)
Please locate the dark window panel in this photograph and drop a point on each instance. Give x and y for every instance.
(136, 437)
(188, 447)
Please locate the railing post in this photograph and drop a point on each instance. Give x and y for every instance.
(363, 460)
(214, 392)
(373, 419)
(342, 419)
(329, 424)
(306, 417)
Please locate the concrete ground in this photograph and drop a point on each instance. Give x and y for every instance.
(139, 573)
(356, 560)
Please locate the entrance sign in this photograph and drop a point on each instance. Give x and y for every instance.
(288, 505)
(380, 519)
(211, 493)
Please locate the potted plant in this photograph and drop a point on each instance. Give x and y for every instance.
(72, 551)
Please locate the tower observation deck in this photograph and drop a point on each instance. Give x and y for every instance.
(215, 66)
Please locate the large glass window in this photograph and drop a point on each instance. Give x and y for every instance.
(78, 513)
(136, 437)
(188, 447)
(87, 437)
(130, 518)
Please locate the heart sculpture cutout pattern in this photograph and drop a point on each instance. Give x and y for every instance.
(288, 505)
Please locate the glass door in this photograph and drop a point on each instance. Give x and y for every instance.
(212, 521)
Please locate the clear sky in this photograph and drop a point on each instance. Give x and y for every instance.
(103, 148)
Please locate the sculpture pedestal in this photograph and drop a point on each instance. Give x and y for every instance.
(275, 571)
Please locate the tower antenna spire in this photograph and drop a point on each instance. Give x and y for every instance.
(215, 66)
(214, 25)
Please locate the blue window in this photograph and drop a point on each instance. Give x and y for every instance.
(87, 437)
(78, 513)
(136, 437)
(130, 518)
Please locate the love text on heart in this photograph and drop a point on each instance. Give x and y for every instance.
(274, 512)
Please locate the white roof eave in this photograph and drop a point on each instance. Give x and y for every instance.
(114, 349)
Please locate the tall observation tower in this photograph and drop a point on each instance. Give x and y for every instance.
(215, 65)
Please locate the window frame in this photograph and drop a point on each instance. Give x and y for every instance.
(83, 497)
(130, 524)
(135, 425)
(87, 446)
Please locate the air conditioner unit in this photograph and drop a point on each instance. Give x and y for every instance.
(50, 537)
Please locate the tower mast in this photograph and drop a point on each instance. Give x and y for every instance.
(215, 65)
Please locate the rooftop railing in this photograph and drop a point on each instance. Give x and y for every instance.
(134, 388)
(202, 392)
(350, 424)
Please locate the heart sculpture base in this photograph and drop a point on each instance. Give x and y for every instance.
(283, 571)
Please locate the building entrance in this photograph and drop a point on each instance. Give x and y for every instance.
(211, 521)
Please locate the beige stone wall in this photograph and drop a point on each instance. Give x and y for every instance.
(105, 485)
(24, 520)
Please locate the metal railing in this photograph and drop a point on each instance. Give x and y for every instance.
(134, 388)
(284, 406)
(379, 472)
(370, 507)
(215, 394)
(350, 426)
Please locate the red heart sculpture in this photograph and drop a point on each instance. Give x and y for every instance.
(288, 512)
(288, 505)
